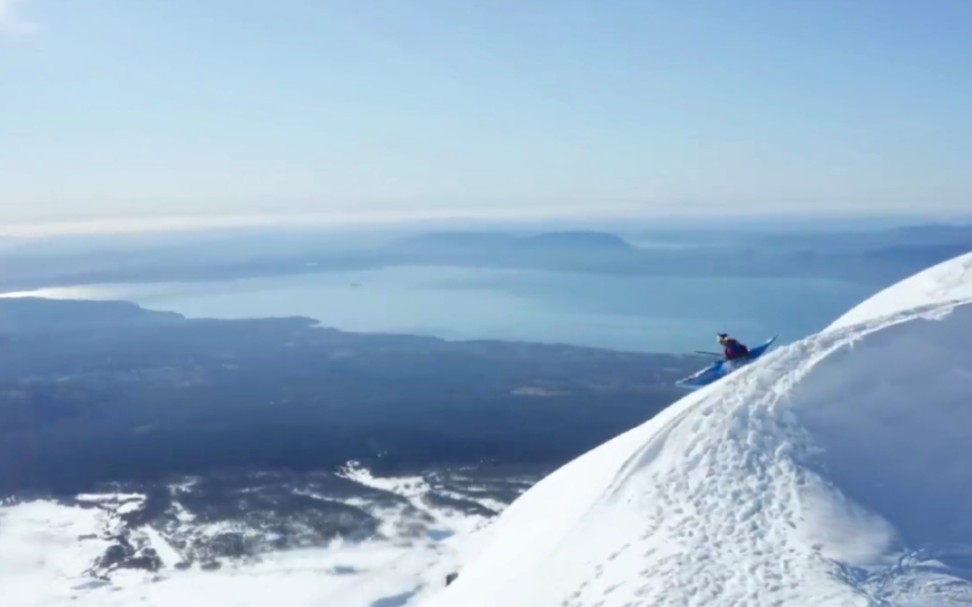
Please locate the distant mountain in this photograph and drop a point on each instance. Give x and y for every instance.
(451, 241)
(574, 251)
(874, 257)
(598, 240)
(933, 234)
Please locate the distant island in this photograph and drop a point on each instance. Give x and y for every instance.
(489, 241)
(874, 257)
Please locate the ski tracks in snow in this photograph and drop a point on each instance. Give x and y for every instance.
(731, 496)
(721, 523)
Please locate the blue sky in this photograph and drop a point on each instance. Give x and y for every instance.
(121, 109)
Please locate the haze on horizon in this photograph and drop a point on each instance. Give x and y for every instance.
(125, 111)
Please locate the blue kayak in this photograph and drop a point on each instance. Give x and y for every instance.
(720, 369)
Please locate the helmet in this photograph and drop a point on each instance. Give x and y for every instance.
(721, 337)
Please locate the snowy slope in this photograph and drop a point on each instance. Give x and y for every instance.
(834, 471)
(48, 549)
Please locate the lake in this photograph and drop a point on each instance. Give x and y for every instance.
(645, 313)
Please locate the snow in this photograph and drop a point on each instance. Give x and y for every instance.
(169, 555)
(42, 558)
(836, 470)
(46, 548)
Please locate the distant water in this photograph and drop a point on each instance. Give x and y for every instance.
(659, 314)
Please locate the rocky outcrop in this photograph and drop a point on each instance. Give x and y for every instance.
(122, 555)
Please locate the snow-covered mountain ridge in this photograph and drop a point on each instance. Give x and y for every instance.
(836, 470)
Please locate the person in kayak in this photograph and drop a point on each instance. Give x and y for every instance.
(732, 348)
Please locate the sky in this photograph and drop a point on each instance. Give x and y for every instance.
(121, 110)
